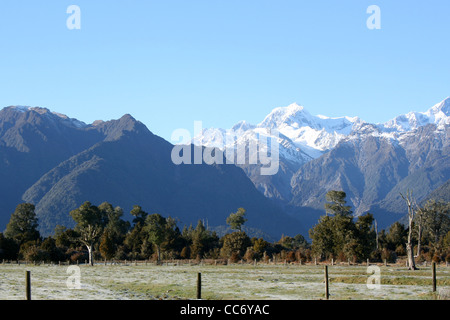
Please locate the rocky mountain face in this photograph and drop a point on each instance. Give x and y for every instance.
(58, 163)
(373, 171)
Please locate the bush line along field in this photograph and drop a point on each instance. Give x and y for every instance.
(142, 281)
(338, 236)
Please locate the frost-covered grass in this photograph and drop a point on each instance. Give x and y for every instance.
(234, 282)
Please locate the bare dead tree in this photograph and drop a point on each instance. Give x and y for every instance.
(411, 203)
(376, 231)
(420, 217)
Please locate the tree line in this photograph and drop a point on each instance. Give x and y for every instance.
(338, 235)
(100, 233)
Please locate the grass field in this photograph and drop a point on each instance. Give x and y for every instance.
(232, 282)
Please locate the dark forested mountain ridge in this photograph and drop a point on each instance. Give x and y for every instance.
(58, 163)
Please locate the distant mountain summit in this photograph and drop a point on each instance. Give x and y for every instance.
(52, 116)
(439, 115)
(303, 136)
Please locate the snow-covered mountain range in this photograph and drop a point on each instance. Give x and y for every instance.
(303, 137)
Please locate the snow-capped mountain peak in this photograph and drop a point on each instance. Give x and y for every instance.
(303, 136)
(242, 126)
(439, 115)
(440, 112)
(293, 114)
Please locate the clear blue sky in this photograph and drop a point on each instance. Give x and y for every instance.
(169, 63)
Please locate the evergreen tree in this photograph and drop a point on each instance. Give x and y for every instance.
(396, 236)
(436, 220)
(173, 242)
(23, 224)
(8, 248)
(300, 242)
(199, 240)
(365, 233)
(66, 238)
(115, 230)
(336, 203)
(136, 242)
(236, 220)
(339, 235)
(139, 215)
(259, 247)
(107, 246)
(203, 241)
(322, 236)
(235, 243)
(155, 228)
(51, 250)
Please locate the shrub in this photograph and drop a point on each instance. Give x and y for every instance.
(120, 253)
(307, 253)
(290, 256)
(213, 254)
(34, 253)
(436, 258)
(376, 256)
(420, 258)
(79, 256)
(400, 250)
(389, 255)
(234, 258)
(249, 255)
(185, 253)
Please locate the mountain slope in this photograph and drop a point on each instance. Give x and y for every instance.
(374, 170)
(441, 193)
(32, 142)
(122, 162)
(301, 138)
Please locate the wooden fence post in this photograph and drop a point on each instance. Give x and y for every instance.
(327, 292)
(199, 286)
(433, 268)
(28, 285)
